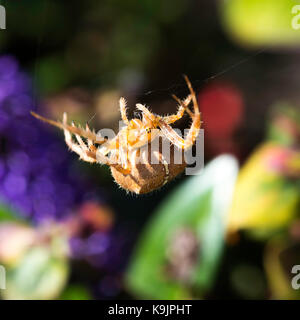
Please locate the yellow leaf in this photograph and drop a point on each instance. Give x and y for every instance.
(263, 199)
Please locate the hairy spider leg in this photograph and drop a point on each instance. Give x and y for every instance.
(171, 134)
(123, 110)
(146, 112)
(183, 106)
(64, 126)
(80, 148)
(118, 156)
(89, 155)
(105, 160)
(91, 145)
(193, 94)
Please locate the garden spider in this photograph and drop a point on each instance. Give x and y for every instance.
(121, 153)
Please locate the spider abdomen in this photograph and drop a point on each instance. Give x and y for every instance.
(145, 176)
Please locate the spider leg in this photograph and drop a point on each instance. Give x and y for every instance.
(92, 154)
(145, 111)
(86, 154)
(193, 94)
(120, 167)
(171, 134)
(179, 142)
(81, 151)
(183, 106)
(88, 151)
(123, 110)
(101, 158)
(76, 130)
(118, 157)
(89, 141)
(124, 155)
(80, 141)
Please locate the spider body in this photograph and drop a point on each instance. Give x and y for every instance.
(131, 163)
(146, 176)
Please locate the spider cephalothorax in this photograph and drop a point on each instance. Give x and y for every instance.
(131, 166)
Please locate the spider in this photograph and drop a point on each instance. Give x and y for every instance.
(121, 152)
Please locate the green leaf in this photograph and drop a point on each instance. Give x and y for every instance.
(6, 214)
(284, 128)
(76, 292)
(199, 206)
(261, 23)
(39, 275)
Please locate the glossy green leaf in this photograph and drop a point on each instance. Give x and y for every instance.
(199, 205)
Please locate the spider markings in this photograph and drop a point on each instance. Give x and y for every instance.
(123, 152)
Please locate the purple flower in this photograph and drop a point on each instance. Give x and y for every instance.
(38, 180)
(36, 176)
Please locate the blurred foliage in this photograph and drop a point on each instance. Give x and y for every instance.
(15, 240)
(39, 275)
(118, 37)
(84, 55)
(193, 220)
(284, 127)
(76, 292)
(264, 200)
(267, 195)
(261, 23)
(280, 257)
(6, 214)
(35, 259)
(248, 281)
